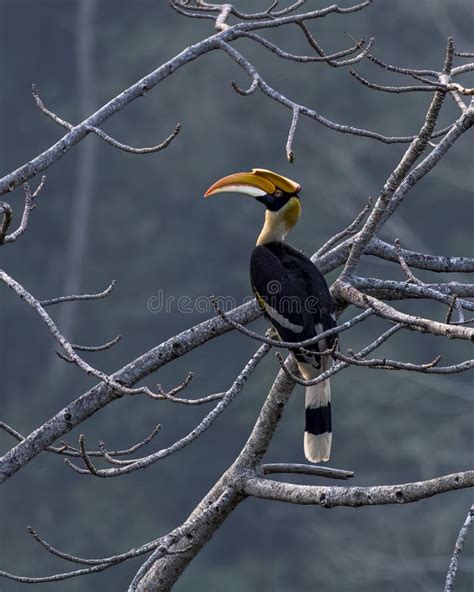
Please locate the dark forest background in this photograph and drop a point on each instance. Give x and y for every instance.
(149, 228)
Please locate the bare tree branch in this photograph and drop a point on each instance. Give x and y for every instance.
(312, 114)
(97, 348)
(67, 449)
(289, 344)
(278, 19)
(458, 548)
(348, 231)
(383, 250)
(291, 134)
(79, 132)
(273, 48)
(431, 87)
(161, 547)
(356, 497)
(393, 290)
(171, 553)
(71, 355)
(313, 470)
(220, 40)
(197, 431)
(97, 296)
(415, 323)
(395, 181)
(145, 150)
(8, 214)
(335, 368)
(99, 396)
(101, 133)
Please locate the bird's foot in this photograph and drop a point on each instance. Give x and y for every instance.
(272, 333)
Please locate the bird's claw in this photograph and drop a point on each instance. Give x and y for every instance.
(272, 333)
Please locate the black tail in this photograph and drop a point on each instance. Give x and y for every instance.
(318, 427)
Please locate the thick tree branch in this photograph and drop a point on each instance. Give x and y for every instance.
(379, 248)
(355, 497)
(164, 573)
(80, 131)
(160, 547)
(99, 396)
(227, 34)
(385, 311)
(393, 290)
(170, 554)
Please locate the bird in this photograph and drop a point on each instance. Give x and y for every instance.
(292, 293)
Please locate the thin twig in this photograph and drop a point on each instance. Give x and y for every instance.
(67, 449)
(7, 213)
(404, 177)
(89, 348)
(311, 113)
(278, 18)
(273, 48)
(161, 546)
(70, 354)
(249, 91)
(46, 111)
(98, 132)
(350, 230)
(415, 73)
(144, 150)
(288, 344)
(403, 264)
(313, 470)
(433, 86)
(430, 87)
(458, 548)
(97, 296)
(359, 44)
(198, 430)
(97, 348)
(452, 307)
(341, 365)
(291, 134)
(386, 364)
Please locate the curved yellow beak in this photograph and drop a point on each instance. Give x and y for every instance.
(257, 183)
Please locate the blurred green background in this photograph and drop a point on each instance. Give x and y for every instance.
(143, 222)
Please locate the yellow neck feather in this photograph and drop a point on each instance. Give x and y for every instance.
(278, 224)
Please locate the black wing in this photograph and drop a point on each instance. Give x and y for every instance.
(293, 293)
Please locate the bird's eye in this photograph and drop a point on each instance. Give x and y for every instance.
(278, 193)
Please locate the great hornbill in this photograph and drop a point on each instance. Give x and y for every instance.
(292, 293)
